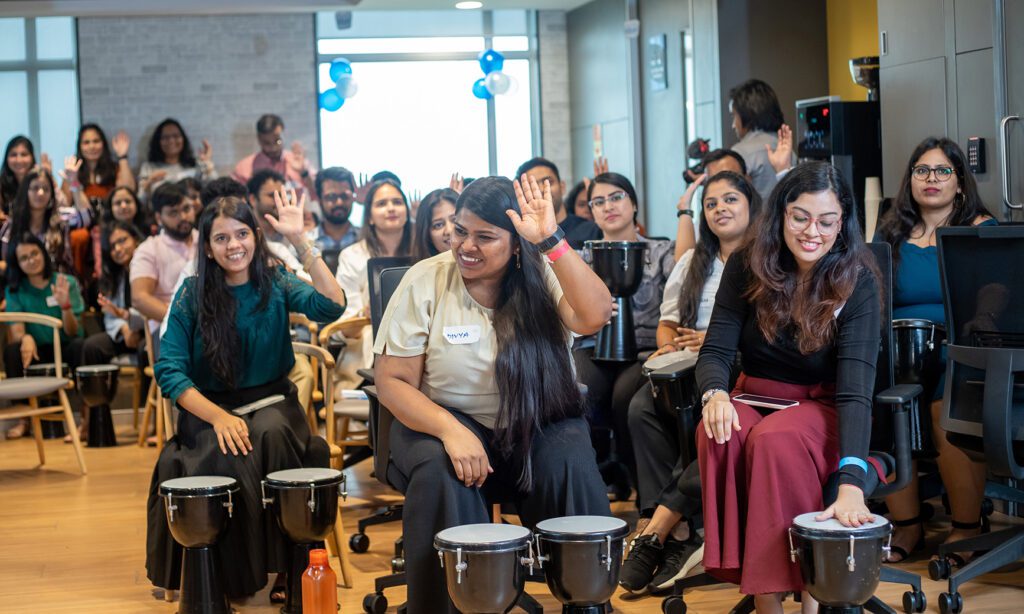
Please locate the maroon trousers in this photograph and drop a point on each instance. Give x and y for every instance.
(766, 474)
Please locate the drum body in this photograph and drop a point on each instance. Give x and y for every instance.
(581, 556)
(305, 501)
(620, 265)
(840, 566)
(97, 383)
(484, 565)
(673, 378)
(918, 351)
(198, 508)
(46, 369)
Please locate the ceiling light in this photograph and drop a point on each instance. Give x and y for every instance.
(468, 5)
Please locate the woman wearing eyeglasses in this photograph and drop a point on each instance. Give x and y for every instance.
(801, 305)
(937, 190)
(171, 159)
(610, 385)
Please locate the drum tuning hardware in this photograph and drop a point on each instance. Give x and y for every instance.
(440, 556)
(170, 508)
(851, 563)
(460, 565)
(607, 558)
(312, 498)
(540, 558)
(931, 339)
(343, 488)
(230, 505)
(527, 560)
(263, 495)
(792, 550)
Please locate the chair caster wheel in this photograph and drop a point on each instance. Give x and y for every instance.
(951, 603)
(359, 542)
(375, 603)
(914, 601)
(397, 565)
(939, 569)
(673, 605)
(987, 507)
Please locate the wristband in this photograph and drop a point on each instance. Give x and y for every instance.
(707, 395)
(552, 241)
(683, 212)
(120, 158)
(65, 307)
(853, 460)
(557, 253)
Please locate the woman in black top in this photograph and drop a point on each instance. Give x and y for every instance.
(801, 305)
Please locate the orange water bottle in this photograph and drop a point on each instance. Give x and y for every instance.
(319, 585)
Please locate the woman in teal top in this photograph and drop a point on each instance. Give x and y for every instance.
(34, 287)
(227, 344)
(937, 190)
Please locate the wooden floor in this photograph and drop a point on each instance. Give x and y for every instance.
(77, 544)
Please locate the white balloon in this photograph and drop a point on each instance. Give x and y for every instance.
(513, 86)
(497, 82)
(347, 86)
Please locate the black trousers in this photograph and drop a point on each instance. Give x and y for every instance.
(70, 352)
(100, 349)
(659, 462)
(610, 386)
(566, 482)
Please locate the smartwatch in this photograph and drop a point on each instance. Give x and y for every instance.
(551, 241)
(683, 212)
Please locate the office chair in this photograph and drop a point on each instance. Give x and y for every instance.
(983, 408)
(890, 416)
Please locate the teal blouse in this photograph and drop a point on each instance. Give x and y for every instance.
(266, 348)
(34, 300)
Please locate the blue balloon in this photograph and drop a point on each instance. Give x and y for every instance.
(340, 67)
(490, 61)
(331, 100)
(480, 90)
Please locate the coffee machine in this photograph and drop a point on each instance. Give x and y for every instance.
(846, 134)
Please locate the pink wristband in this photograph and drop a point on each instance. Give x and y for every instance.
(558, 252)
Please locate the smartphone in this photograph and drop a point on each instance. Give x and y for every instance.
(770, 402)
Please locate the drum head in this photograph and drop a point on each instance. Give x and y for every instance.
(916, 323)
(687, 357)
(45, 368)
(488, 537)
(806, 525)
(198, 485)
(582, 528)
(94, 369)
(292, 478)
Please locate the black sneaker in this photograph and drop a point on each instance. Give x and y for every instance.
(678, 559)
(645, 554)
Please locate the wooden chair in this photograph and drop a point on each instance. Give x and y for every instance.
(155, 402)
(326, 362)
(13, 389)
(300, 319)
(347, 411)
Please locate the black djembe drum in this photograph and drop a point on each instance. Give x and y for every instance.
(620, 265)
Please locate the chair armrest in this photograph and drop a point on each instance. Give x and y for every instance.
(314, 351)
(366, 374)
(898, 397)
(899, 394)
(345, 326)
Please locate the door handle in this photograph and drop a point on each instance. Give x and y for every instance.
(883, 42)
(1004, 159)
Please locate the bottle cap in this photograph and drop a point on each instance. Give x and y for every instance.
(318, 557)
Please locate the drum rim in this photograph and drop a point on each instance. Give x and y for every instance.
(199, 491)
(618, 532)
(917, 323)
(97, 368)
(506, 545)
(872, 532)
(596, 244)
(339, 476)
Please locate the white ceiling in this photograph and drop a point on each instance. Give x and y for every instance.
(35, 8)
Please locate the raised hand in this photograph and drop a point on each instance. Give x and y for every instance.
(46, 163)
(686, 202)
(289, 222)
(108, 307)
(70, 172)
(781, 157)
(537, 220)
(363, 188)
(121, 143)
(456, 183)
(61, 291)
(298, 159)
(206, 153)
(600, 165)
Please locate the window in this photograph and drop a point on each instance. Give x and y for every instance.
(39, 80)
(414, 113)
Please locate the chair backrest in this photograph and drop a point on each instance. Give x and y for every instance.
(27, 317)
(373, 269)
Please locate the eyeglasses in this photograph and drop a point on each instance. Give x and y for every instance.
(267, 142)
(29, 257)
(337, 198)
(601, 201)
(922, 172)
(798, 221)
(119, 242)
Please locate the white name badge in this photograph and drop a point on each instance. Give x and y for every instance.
(51, 301)
(462, 335)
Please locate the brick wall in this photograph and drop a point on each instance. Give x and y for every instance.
(553, 51)
(214, 74)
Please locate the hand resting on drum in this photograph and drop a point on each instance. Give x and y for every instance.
(849, 508)
(689, 338)
(720, 418)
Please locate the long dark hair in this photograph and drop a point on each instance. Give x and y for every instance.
(215, 305)
(53, 226)
(709, 246)
(113, 274)
(106, 167)
(187, 158)
(14, 272)
(422, 245)
(780, 299)
(8, 182)
(898, 222)
(369, 234)
(143, 220)
(533, 370)
(619, 181)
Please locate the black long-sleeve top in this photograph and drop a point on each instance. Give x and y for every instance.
(849, 360)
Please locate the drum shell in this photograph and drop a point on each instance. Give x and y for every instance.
(917, 352)
(97, 387)
(290, 504)
(619, 264)
(823, 565)
(198, 520)
(491, 582)
(577, 572)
